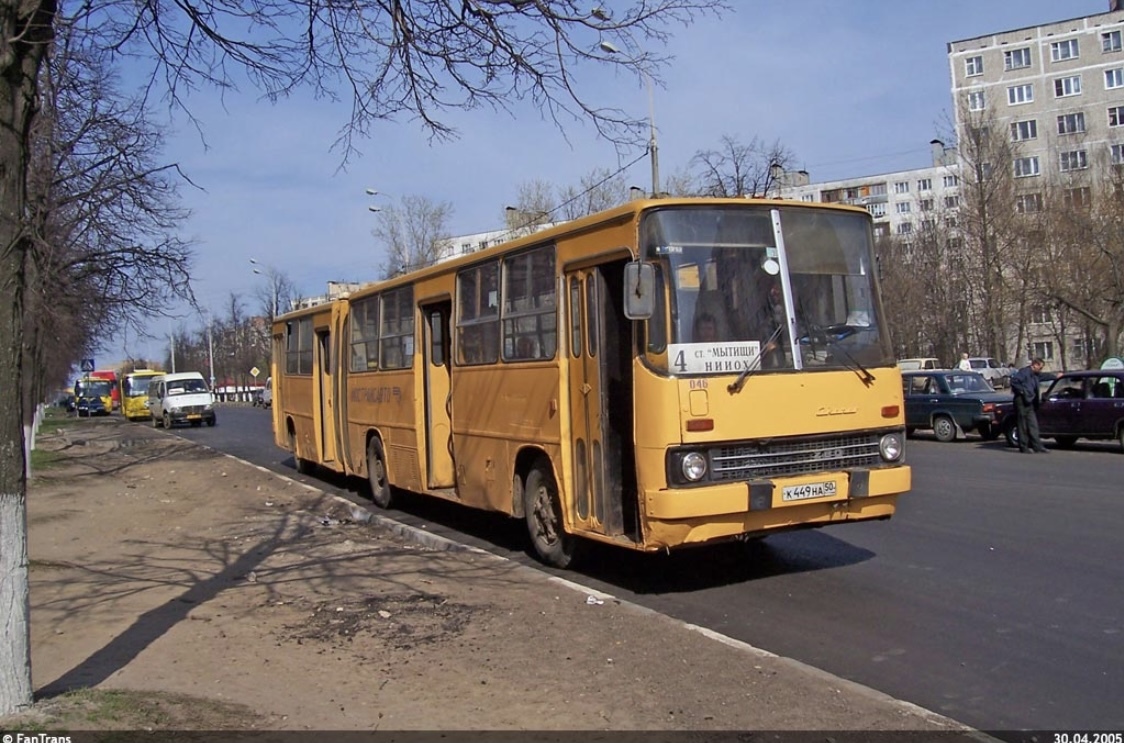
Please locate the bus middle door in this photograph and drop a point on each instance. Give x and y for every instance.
(596, 500)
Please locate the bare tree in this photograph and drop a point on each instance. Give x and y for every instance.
(597, 190)
(414, 233)
(737, 169)
(1082, 266)
(534, 207)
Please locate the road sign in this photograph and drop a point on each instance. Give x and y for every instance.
(87, 365)
(1112, 362)
(255, 372)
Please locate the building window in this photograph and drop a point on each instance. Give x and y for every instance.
(973, 66)
(1067, 86)
(808, 197)
(1043, 350)
(954, 243)
(881, 230)
(1017, 94)
(1116, 116)
(1117, 152)
(1077, 198)
(1024, 130)
(977, 101)
(903, 207)
(927, 225)
(901, 187)
(1063, 50)
(1110, 41)
(951, 202)
(926, 205)
(1114, 78)
(1016, 58)
(1071, 123)
(925, 184)
(1028, 203)
(876, 210)
(951, 181)
(905, 228)
(1026, 167)
(1040, 314)
(1074, 160)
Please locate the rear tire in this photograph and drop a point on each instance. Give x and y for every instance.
(543, 513)
(944, 428)
(381, 494)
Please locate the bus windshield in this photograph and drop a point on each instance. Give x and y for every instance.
(745, 285)
(92, 388)
(136, 385)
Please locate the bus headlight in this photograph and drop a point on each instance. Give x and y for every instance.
(694, 466)
(890, 447)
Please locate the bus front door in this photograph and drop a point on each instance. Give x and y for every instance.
(438, 428)
(600, 411)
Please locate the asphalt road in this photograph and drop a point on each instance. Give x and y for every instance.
(995, 596)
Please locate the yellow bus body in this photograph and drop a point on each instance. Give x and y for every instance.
(134, 393)
(474, 433)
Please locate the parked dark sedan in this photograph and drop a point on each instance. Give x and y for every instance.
(1078, 405)
(953, 403)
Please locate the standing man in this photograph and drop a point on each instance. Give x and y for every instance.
(1025, 386)
(964, 365)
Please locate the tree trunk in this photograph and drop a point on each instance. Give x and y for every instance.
(25, 33)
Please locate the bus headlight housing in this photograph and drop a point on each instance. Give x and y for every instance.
(693, 465)
(890, 447)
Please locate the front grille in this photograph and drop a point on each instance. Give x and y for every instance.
(192, 409)
(770, 458)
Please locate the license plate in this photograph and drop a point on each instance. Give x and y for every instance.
(809, 490)
(195, 417)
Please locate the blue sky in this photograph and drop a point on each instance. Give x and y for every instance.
(853, 88)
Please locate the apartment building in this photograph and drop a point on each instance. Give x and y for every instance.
(1058, 89)
(902, 202)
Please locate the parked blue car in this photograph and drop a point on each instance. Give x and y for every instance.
(953, 403)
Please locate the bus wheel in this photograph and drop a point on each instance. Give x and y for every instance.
(168, 421)
(376, 474)
(304, 467)
(544, 518)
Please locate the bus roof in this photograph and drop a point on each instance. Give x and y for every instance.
(625, 212)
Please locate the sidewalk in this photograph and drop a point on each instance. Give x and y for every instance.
(159, 565)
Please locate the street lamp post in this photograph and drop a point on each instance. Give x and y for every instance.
(270, 274)
(653, 146)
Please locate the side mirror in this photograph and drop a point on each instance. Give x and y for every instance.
(639, 290)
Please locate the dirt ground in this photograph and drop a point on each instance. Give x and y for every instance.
(202, 592)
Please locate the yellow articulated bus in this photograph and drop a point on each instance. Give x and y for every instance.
(665, 373)
(134, 393)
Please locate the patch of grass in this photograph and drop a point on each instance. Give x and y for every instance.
(42, 459)
(125, 710)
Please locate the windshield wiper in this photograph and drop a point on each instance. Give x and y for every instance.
(861, 371)
(736, 386)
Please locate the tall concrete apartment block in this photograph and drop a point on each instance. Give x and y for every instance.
(1058, 89)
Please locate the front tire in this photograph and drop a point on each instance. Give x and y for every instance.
(543, 513)
(381, 494)
(944, 428)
